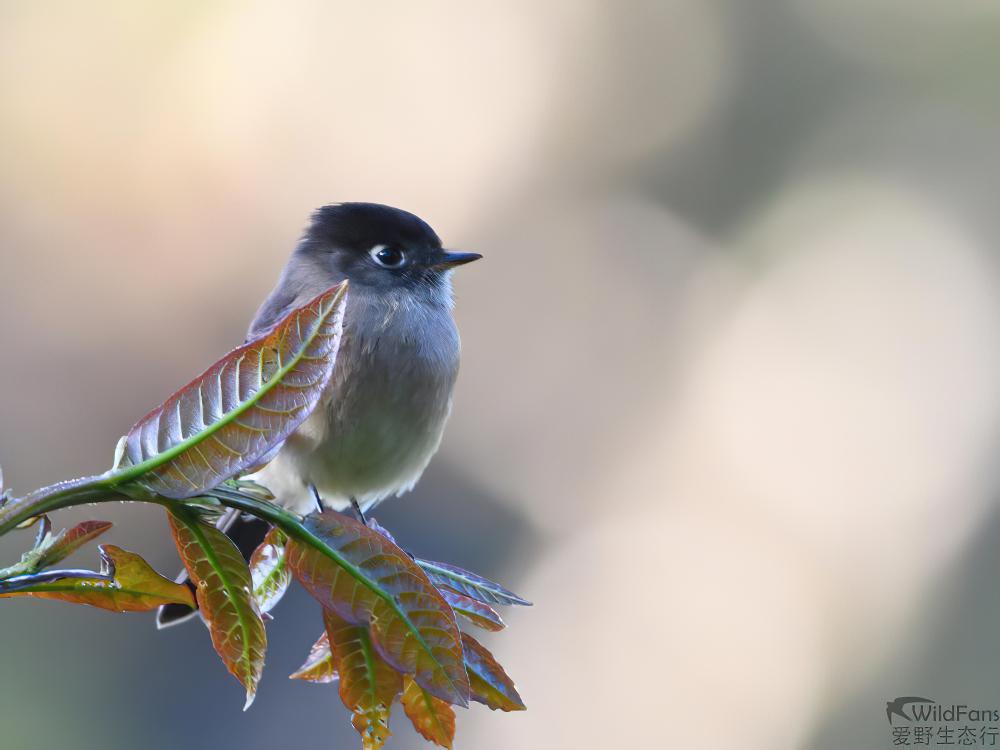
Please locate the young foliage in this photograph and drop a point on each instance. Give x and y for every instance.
(234, 414)
(269, 570)
(65, 543)
(470, 584)
(479, 614)
(368, 685)
(50, 549)
(369, 581)
(126, 583)
(432, 717)
(490, 684)
(319, 666)
(224, 591)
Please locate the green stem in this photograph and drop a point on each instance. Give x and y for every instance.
(103, 488)
(84, 491)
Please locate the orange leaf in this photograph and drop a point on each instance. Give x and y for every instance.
(490, 684)
(126, 584)
(474, 611)
(431, 717)
(269, 570)
(223, 586)
(319, 665)
(368, 685)
(367, 580)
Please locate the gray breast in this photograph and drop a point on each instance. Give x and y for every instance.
(384, 411)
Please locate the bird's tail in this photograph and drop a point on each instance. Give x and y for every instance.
(246, 533)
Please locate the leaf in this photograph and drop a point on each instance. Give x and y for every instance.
(224, 591)
(68, 542)
(240, 409)
(367, 580)
(126, 584)
(319, 666)
(490, 684)
(376, 526)
(431, 717)
(368, 685)
(474, 611)
(50, 549)
(469, 584)
(269, 570)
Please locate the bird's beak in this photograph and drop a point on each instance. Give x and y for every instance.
(450, 259)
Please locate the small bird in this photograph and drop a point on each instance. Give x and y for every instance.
(382, 415)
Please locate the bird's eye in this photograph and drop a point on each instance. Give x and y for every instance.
(387, 256)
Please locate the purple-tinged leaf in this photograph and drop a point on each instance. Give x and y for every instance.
(482, 615)
(376, 526)
(68, 542)
(490, 684)
(469, 584)
(369, 581)
(233, 415)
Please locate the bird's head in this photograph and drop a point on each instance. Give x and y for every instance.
(379, 248)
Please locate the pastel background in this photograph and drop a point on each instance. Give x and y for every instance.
(729, 407)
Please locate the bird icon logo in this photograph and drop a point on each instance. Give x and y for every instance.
(895, 707)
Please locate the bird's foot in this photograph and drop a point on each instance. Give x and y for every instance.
(360, 513)
(316, 497)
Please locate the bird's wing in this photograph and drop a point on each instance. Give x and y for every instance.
(299, 282)
(277, 305)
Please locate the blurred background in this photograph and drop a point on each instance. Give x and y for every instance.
(730, 393)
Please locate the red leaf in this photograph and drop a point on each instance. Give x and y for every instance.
(369, 581)
(235, 413)
(223, 587)
(490, 684)
(431, 717)
(70, 541)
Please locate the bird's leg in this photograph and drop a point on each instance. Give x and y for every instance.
(357, 509)
(316, 497)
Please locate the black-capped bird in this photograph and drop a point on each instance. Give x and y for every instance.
(382, 415)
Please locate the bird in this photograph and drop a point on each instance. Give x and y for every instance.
(382, 415)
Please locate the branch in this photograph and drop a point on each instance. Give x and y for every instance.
(84, 491)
